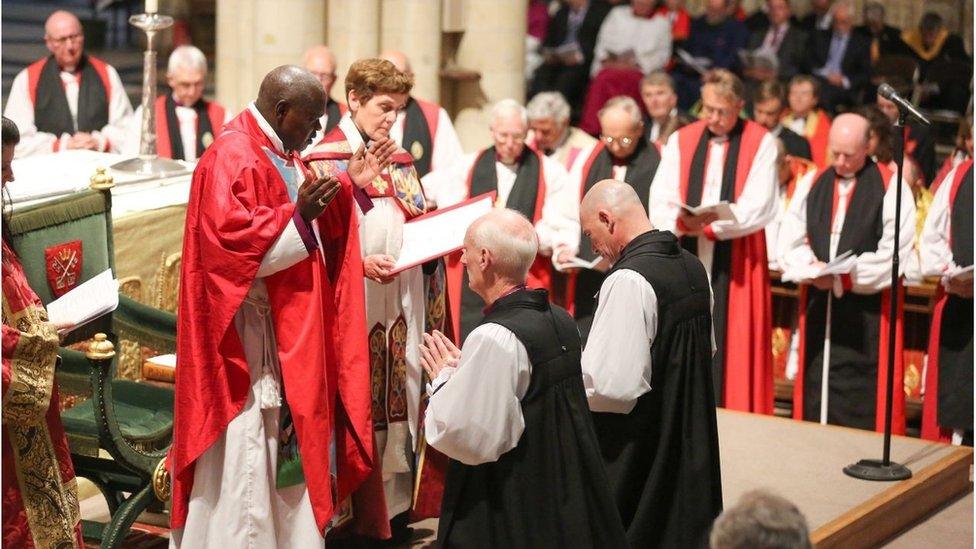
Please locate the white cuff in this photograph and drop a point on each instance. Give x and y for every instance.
(442, 377)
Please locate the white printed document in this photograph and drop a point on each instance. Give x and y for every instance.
(722, 209)
(440, 232)
(842, 264)
(92, 299)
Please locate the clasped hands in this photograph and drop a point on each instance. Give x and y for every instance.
(438, 352)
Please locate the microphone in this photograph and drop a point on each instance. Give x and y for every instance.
(904, 105)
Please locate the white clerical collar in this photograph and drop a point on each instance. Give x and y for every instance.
(267, 129)
(351, 131)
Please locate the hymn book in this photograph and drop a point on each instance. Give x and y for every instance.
(95, 297)
(440, 232)
(842, 264)
(964, 274)
(722, 209)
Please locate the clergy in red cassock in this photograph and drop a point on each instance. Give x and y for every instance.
(724, 159)
(804, 118)
(272, 428)
(845, 318)
(40, 493)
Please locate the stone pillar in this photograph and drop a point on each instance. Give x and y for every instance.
(353, 32)
(255, 36)
(494, 45)
(413, 27)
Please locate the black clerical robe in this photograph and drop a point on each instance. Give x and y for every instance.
(663, 457)
(551, 490)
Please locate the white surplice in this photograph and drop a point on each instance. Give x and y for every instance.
(782, 203)
(935, 253)
(754, 208)
(648, 38)
(20, 110)
(187, 118)
(234, 501)
(475, 412)
(381, 232)
(448, 186)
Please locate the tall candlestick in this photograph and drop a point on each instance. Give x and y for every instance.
(152, 6)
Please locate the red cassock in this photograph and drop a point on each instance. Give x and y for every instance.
(237, 209)
(205, 132)
(745, 378)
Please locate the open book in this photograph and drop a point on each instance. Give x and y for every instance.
(722, 209)
(440, 232)
(95, 297)
(842, 264)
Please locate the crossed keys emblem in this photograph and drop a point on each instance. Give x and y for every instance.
(63, 266)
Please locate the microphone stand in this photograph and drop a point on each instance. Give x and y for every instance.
(885, 469)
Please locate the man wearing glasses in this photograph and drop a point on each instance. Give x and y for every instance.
(525, 180)
(723, 158)
(68, 100)
(624, 155)
(321, 62)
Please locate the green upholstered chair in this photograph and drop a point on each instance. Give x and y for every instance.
(130, 421)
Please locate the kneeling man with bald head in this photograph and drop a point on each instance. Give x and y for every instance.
(510, 411)
(647, 374)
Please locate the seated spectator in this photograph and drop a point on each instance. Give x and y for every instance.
(568, 51)
(715, 41)
(632, 42)
(675, 12)
(942, 63)
(841, 59)
(550, 132)
(804, 118)
(767, 110)
(778, 39)
(819, 17)
(885, 39)
(537, 26)
(760, 520)
(932, 42)
(920, 144)
(663, 117)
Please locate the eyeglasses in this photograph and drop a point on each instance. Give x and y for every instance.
(625, 141)
(76, 37)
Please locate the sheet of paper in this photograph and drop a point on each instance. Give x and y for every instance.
(842, 264)
(440, 232)
(92, 299)
(166, 361)
(579, 263)
(722, 209)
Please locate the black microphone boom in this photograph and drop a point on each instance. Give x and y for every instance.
(904, 105)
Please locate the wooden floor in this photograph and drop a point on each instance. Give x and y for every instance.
(803, 462)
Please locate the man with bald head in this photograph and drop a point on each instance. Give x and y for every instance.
(321, 62)
(525, 181)
(850, 208)
(622, 154)
(69, 99)
(270, 261)
(423, 128)
(647, 373)
(509, 409)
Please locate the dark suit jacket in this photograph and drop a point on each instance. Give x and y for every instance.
(856, 64)
(795, 144)
(559, 26)
(792, 49)
(890, 40)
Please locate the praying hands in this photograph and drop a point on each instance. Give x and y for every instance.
(438, 352)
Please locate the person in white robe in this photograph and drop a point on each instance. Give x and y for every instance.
(551, 134)
(186, 75)
(638, 40)
(65, 40)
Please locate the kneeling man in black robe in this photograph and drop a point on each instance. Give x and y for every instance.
(647, 374)
(510, 411)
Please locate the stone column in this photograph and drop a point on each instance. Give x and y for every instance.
(494, 45)
(413, 27)
(255, 36)
(353, 32)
